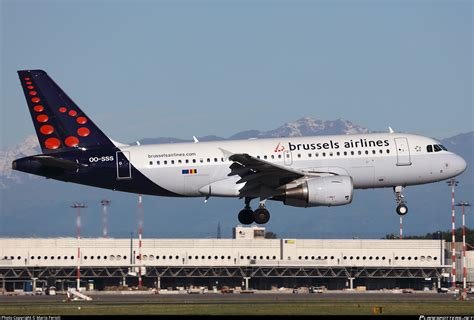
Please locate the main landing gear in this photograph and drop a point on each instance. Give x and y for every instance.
(248, 216)
(402, 208)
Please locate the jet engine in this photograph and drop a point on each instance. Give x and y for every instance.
(320, 191)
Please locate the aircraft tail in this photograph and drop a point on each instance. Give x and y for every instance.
(59, 123)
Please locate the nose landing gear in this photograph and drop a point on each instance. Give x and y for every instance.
(248, 216)
(402, 208)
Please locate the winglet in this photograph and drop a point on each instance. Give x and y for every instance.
(226, 153)
(119, 144)
(195, 139)
(390, 130)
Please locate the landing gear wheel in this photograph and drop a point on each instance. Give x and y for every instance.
(261, 216)
(402, 209)
(246, 216)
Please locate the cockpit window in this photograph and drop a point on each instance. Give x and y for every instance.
(435, 148)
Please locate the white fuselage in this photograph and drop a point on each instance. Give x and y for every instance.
(372, 160)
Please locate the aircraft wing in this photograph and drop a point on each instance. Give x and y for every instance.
(261, 177)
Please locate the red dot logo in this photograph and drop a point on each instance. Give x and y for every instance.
(33, 93)
(29, 82)
(71, 141)
(27, 79)
(72, 113)
(62, 109)
(35, 99)
(83, 132)
(46, 129)
(52, 143)
(81, 120)
(30, 87)
(38, 108)
(42, 118)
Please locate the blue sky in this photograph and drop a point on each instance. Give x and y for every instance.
(182, 68)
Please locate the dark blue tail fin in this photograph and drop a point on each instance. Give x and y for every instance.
(59, 123)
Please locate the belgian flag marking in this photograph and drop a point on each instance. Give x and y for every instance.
(189, 171)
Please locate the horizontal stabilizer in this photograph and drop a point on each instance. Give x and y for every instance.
(53, 162)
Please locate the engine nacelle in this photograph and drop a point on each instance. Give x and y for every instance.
(321, 191)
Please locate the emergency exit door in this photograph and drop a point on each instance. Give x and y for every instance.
(124, 168)
(403, 152)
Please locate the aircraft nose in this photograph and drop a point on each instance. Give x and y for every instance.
(459, 164)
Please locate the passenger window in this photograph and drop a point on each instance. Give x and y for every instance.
(201, 160)
(366, 151)
(208, 160)
(309, 155)
(359, 152)
(165, 162)
(352, 153)
(172, 161)
(388, 150)
(151, 162)
(179, 161)
(299, 155)
(324, 154)
(215, 159)
(279, 156)
(187, 160)
(345, 153)
(373, 151)
(338, 153)
(265, 157)
(194, 160)
(158, 162)
(273, 156)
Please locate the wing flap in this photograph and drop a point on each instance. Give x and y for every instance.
(261, 177)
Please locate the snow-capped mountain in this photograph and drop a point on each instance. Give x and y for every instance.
(306, 126)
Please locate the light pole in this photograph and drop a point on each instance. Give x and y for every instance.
(105, 230)
(78, 207)
(463, 204)
(401, 227)
(140, 230)
(440, 237)
(453, 183)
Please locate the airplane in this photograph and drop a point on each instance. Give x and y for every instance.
(297, 171)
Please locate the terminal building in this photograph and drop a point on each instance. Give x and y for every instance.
(247, 260)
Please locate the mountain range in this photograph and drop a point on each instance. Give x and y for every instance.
(34, 206)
